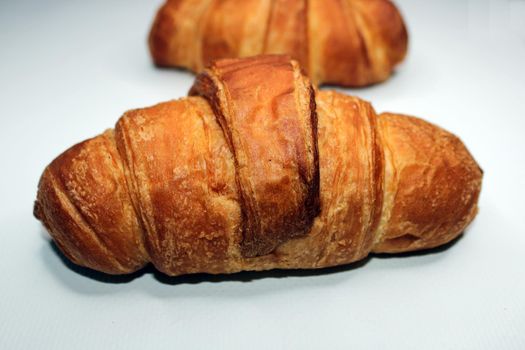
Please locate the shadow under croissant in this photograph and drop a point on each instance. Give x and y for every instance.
(244, 276)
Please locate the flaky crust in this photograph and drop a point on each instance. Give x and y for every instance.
(272, 133)
(342, 42)
(325, 180)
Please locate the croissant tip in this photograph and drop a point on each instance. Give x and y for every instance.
(481, 170)
(37, 210)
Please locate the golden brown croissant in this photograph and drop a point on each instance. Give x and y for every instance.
(343, 42)
(257, 170)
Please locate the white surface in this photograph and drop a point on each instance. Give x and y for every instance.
(68, 69)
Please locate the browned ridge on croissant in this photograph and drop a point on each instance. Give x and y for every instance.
(256, 170)
(342, 42)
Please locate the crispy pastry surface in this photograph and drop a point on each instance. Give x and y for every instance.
(342, 42)
(256, 171)
(271, 130)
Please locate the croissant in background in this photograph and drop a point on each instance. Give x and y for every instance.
(256, 170)
(342, 42)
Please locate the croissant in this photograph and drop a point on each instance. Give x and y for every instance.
(342, 42)
(256, 170)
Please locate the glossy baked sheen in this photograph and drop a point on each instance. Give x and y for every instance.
(342, 42)
(256, 171)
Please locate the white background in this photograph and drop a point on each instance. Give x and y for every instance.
(69, 69)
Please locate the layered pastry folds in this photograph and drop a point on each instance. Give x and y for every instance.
(256, 170)
(342, 42)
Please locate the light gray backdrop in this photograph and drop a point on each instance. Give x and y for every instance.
(69, 69)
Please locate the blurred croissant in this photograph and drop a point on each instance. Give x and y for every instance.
(341, 42)
(256, 170)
